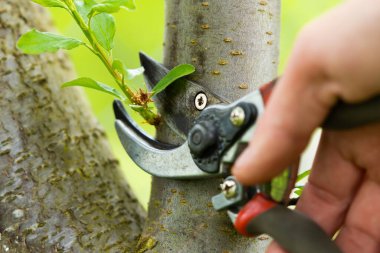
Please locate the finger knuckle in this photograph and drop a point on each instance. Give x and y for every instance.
(308, 46)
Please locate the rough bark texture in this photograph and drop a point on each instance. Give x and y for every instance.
(60, 188)
(234, 46)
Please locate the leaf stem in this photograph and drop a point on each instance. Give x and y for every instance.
(90, 48)
(107, 60)
(99, 51)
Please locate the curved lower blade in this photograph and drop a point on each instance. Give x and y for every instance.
(175, 163)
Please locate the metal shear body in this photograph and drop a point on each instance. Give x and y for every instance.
(213, 139)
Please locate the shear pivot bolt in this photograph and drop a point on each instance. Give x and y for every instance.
(237, 116)
(202, 138)
(229, 188)
(200, 101)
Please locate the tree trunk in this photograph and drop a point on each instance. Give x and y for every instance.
(234, 46)
(60, 188)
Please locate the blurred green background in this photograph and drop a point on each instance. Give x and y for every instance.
(142, 30)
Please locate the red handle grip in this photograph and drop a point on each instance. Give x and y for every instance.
(295, 232)
(257, 205)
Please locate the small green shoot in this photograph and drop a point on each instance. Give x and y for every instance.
(299, 188)
(303, 175)
(99, 27)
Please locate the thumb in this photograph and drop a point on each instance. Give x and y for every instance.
(297, 106)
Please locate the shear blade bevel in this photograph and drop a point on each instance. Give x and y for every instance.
(175, 163)
(122, 115)
(176, 103)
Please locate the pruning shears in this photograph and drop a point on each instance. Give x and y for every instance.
(215, 131)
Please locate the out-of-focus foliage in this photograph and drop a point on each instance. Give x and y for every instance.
(142, 30)
(295, 14)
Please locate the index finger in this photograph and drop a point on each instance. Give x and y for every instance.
(297, 106)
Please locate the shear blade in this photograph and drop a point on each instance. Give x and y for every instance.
(156, 158)
(176, 103)
(122, 115)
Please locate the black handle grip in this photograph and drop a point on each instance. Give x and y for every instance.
(346, 116)
(342, 115)
(292, 230)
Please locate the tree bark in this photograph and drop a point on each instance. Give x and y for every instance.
(60, 188)
(234, 46)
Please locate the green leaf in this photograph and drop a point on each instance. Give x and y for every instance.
(127, 73)
(103, 8)
(50, 3)
(103, 27)
(84, 7)
(303, 175)
(128, 4)
(112, 6)
(90, 83)
(174, 74)
(36, 42)
(279, 185)
(298, 190)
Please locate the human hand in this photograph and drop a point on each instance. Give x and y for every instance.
(335, 57)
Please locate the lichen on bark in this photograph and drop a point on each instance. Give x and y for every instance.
(60, 187)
